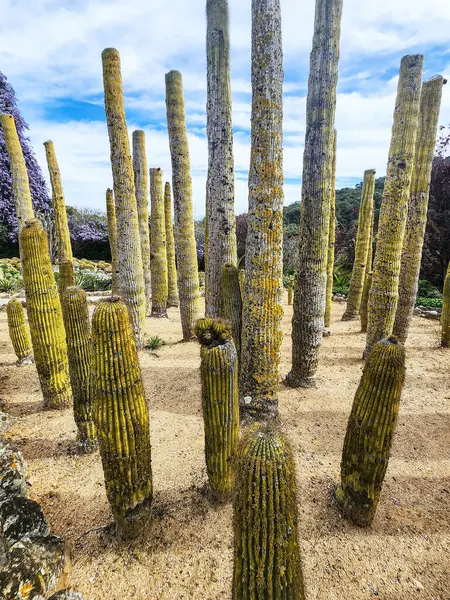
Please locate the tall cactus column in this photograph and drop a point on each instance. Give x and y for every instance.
(45, 317)
(185, 248)
(363, 239)
(112, 236)
(160, 287)
(19, 332)
(331, 242)
(172, 299)
(130, 272)
(309, 297)
(221, 221)
(232, 303)
(62, 227)
(383, 296)
(121, 413)
(430, 103)
(142, 190)
(262, 310)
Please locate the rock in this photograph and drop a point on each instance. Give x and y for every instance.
(431, 314)
(11, 458)
(20, 517)
(67, 595)
(417, 585)
(12, 484)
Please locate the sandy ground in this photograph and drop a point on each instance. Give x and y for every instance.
(185, 549)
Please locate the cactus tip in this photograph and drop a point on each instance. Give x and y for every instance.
(212, 332)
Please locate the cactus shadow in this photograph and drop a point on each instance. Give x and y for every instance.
(41, 448)
(22, 409)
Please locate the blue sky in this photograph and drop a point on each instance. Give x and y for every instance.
(50, 51)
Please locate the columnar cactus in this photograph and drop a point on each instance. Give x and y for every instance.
(267, 562)
(242, 282)
(370, 430)
(331, 241)
(66, 275)
(364, 301)
(185, 247)
(120, 412)
(160, 289)
(45, 317)
(172, 299)
(61, 225)
(262, 311)
(220, 218)
(232, 303)
(309, 297)
(430, 102)
(290, 292)
(383, 296)
(112, 236)
(130, 273)
(141, 185)
(220, 402)
(362, 250)
(79, 348)
(19, 332)
(445, 316)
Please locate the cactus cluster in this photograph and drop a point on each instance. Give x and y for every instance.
(19, 332)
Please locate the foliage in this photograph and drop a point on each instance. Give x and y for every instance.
(429, 302)
(154, 342)
(10, 278)
(428, 290)
(199, 231)
(91, 281)
(88, 233)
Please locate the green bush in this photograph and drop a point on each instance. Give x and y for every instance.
(428, 290)
(93, 281)
(429, 302)
(10, 278)
(154, 342)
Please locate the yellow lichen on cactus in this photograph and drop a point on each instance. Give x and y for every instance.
(185, 247)
(112, 236)
(142, 190)
(120, 412)
(45, 317)
(158, 250)
(445, 316)
(19, 332)
(130, 274)
(331, 240)
(232, 303)
(79, 348)
(66, 276)
(172, 299)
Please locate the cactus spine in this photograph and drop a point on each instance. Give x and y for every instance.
(267, 562)
(120, 412)
(220, 402)
(130, 274)
(159, 269)
(362, 250)
(262, 311)
(309, 297)
(141, 185)
(445, 316)
(186, 251)
(112, 236)
(232, 303)
(172, 299)
(369, 431)
(383, 296)
(364, 301)
(45, 317)
(221, 238)
(430, 102)
(61, 224)
(19, 332)
(331, 240)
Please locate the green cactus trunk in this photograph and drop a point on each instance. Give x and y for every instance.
(309, 297)
(61, 225)
(232, 303)
(430, 103)
(362, 251)
(370, 430)
(185, 247)
(262, 310)
(112, 236)
(172, 299)
(364, 301)
(79, 349)
(290, 293)
(220, 218)
(45, 317)
(267, 562)
(242, 282)
(331, 241)
(142, 191)
(19, 332)
(120, 412)
(445, 316)
(160, 282)
(130, 273)
(383, 296)
(220, 403)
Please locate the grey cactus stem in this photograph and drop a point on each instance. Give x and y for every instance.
(309, 297)
(142, 192)
(172, 299)
(112, 236)
(383, 296)
(430, 103)
(130, 274)
(331, 242)
(185, 247)
(362, 251)
(221, 239)
(262, 310)
(158, 250)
